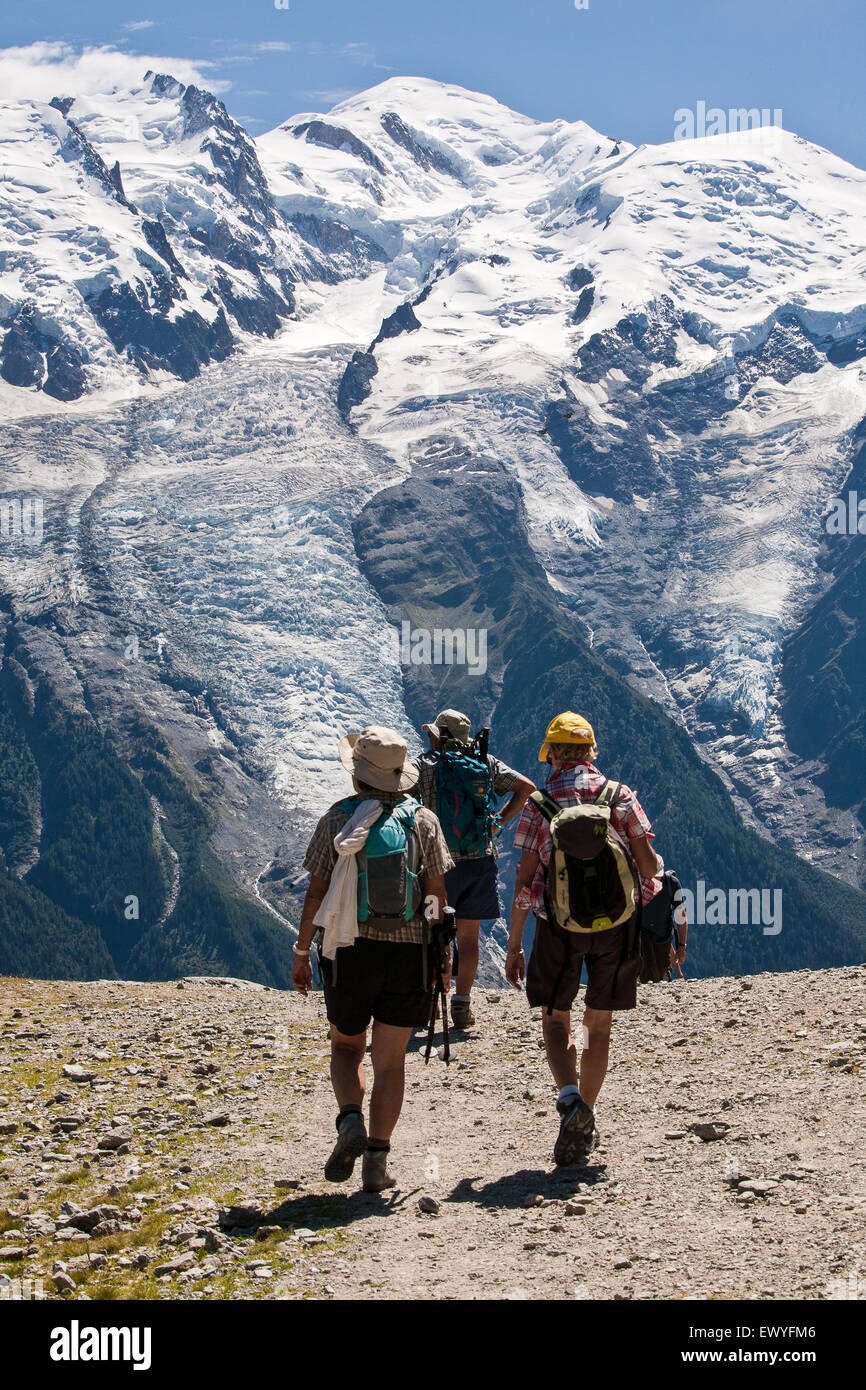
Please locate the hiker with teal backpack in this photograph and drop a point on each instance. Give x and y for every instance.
(377, 861)
(462, 782)
(586, 867)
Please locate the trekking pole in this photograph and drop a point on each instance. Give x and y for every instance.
(444, 933)
(438, 992)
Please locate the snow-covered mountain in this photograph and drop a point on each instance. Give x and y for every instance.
(664, 344)
(141, 239)
(648, 363)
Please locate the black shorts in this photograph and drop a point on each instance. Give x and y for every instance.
(612, 961)
(388, 982)
(471, 888)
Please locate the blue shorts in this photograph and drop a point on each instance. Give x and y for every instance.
(472, 890)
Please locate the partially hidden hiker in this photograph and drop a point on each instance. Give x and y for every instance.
(377, 861)
(462, 782)
(664, 929)
(586, 864)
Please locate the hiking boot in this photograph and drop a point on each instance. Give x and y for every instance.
(351, 1143)
(461, 1013)
(374, 1171)
(576, 1132)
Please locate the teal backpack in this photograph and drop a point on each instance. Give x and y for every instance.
(465, 799)
(389, 866)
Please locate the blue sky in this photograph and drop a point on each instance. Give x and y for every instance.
(624, 66)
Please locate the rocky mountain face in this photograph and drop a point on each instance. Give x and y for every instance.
(464, 370)
(167, 1141)
(824, 667)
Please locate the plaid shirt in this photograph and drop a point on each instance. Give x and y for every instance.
(321, 857)
(570, 786)
(504, 779)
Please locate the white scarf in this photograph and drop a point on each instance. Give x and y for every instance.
(338, 910)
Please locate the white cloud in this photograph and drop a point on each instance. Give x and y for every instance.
(354, 52)
(330, 96)
(361, 52)
(135, 24)
(41, 71)
(231, 62)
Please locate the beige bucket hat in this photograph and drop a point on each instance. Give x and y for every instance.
(379, 757)
(450, 723)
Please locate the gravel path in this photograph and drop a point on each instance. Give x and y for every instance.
(180, 1154)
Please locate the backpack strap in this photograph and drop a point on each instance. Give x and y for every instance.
(545, 803)
(549, 807)
(608, 794)
(405, 811)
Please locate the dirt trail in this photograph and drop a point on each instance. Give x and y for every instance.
(219, 1095)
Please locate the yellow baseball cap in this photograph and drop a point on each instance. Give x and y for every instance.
(566, 728)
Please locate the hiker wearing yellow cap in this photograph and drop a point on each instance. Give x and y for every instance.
(462, 782)
(567, 729)
(377, 861)
(586, 865)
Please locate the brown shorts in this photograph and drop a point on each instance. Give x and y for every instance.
(612, 962)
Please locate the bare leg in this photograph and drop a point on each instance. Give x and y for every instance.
(389, 1071)
(347, 1067)
(347, 1079)
(559, 1045)
(596, 1046)
(467, 949)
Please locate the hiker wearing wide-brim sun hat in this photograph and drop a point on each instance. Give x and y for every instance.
(377, 861)
(378, 757)
(586, 867)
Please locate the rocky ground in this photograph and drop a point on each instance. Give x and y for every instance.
(167, 1141)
